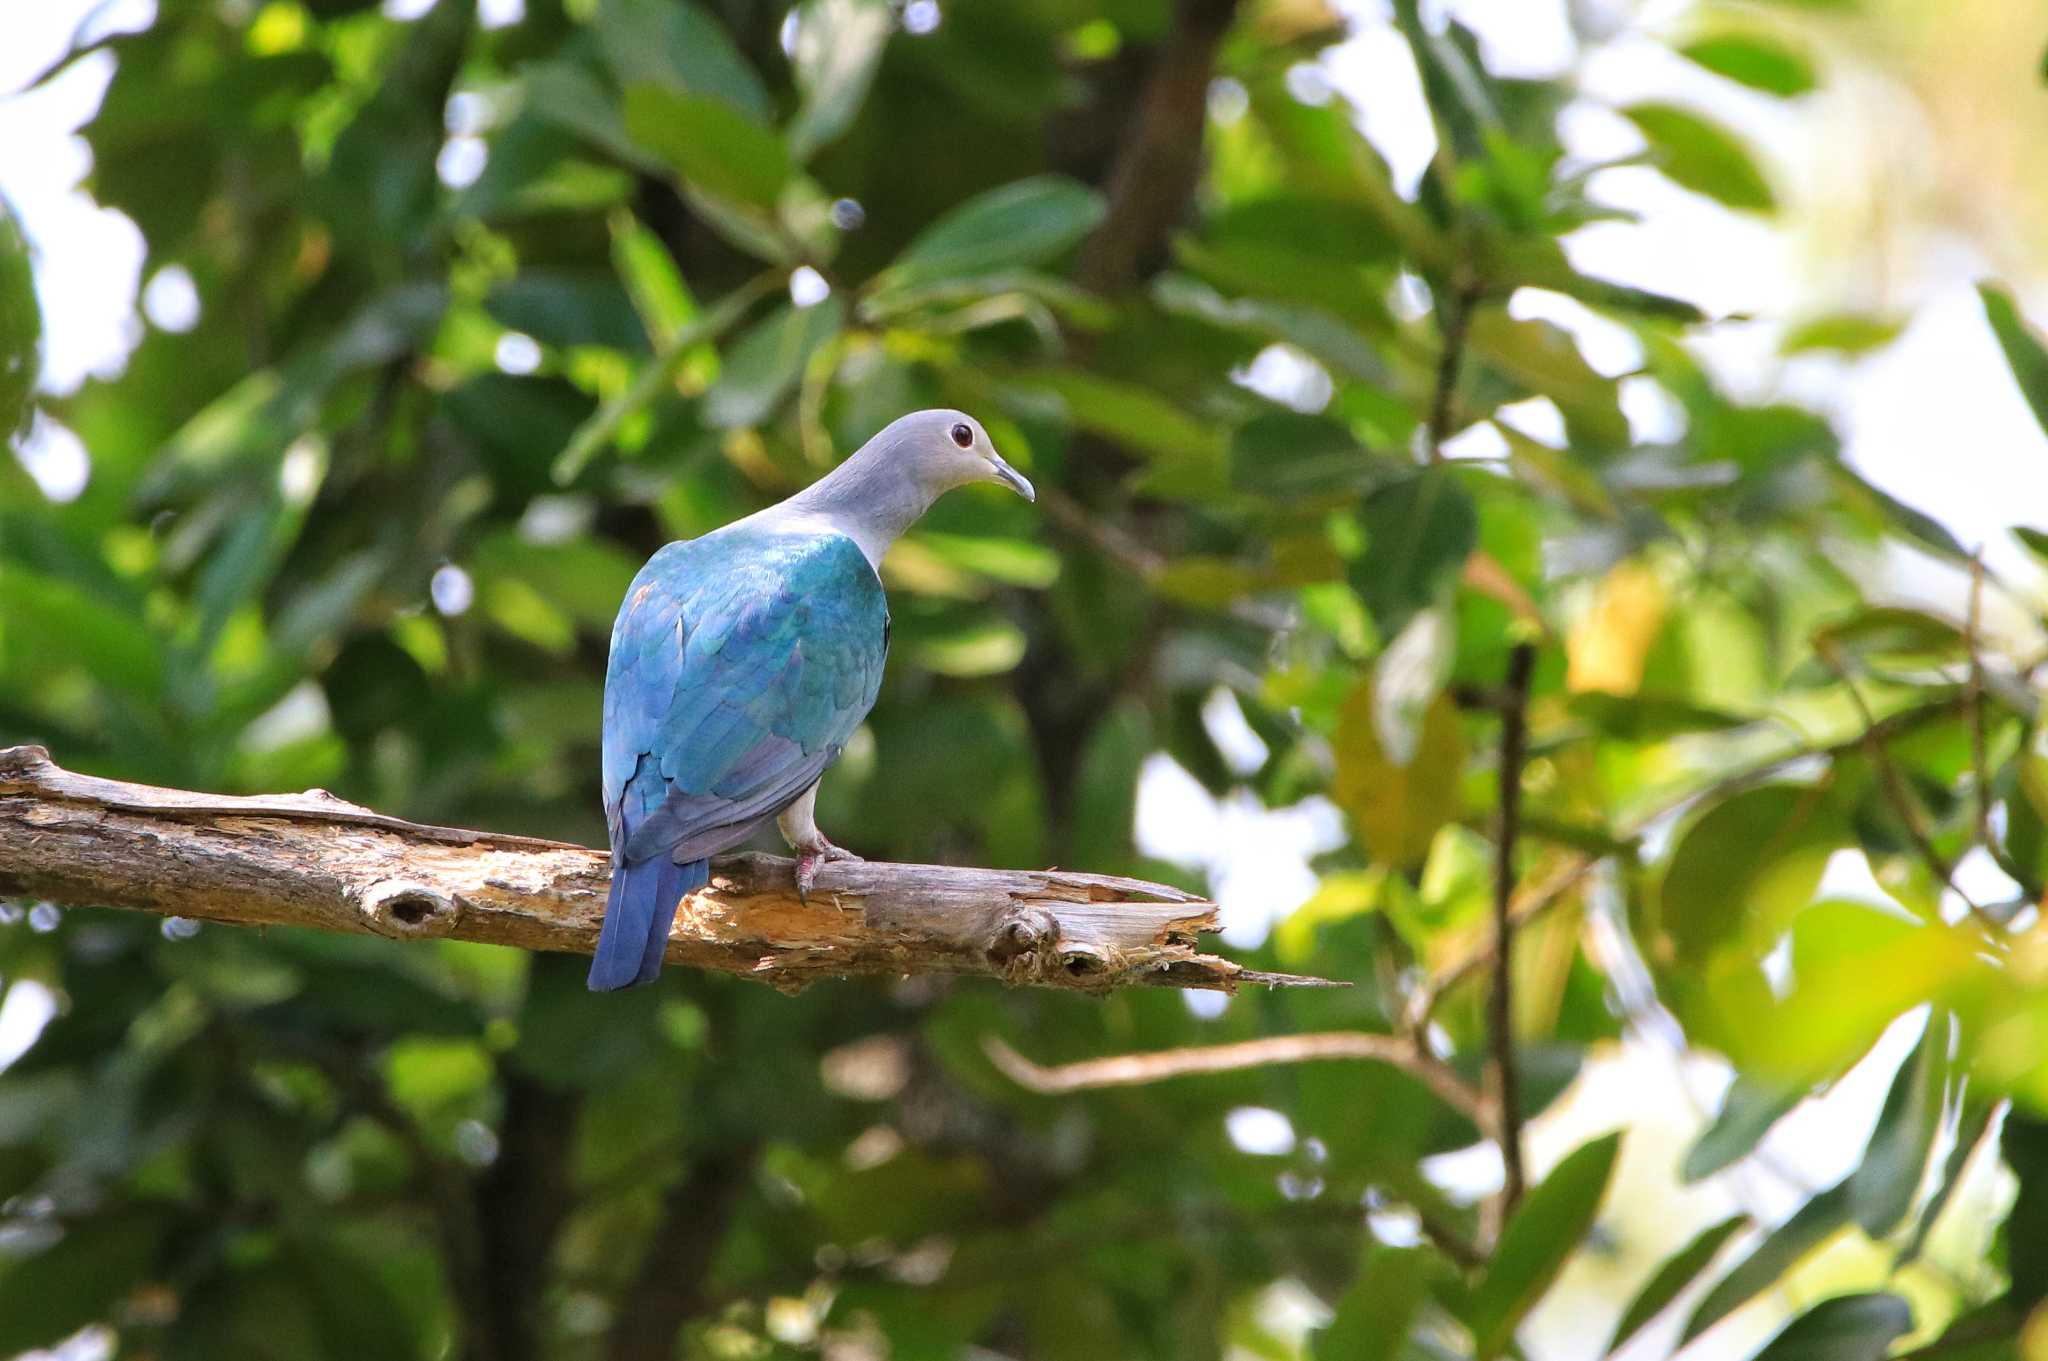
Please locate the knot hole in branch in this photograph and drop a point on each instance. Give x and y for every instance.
(1024, 941)
(1027, 946)
(408, 910)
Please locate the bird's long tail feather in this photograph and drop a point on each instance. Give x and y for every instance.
(637, 918)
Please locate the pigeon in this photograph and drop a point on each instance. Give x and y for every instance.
(741, 664)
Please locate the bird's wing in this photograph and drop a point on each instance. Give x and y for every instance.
(740, 665)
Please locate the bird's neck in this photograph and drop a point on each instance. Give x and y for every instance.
(867, 500)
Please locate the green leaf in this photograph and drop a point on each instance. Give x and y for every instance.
(57, 623)
(1703, 157)
(838, 45)
(1883, 1188)
(1855, 969)
(1842, 333)
(257, 417)
(1543, 359)
(571, 98)
(1285, 453)
(1013, 562)
(984, 647)
(1650, 718)
(1538, 1242)
(1144, 421)
(1743, 869)
(766, 363)
(1753, 59)
(1846, 1328)
(1670, 1280)
(1375, 1316)
(1747, 1114)
(655, 377)
(1972, 1130)
(1419, 531)
(1081, 308)
(585, 578)
(1323, 335)
(2035, 541)
(652, 281)
(676, 46)
(78, 1280)
(1026, 222)
(2024, 1145)
(1296, 248)
(21, 326)
(1820, 1219)
(1884, 512)
(1398, 808)
(2024, 350)
(564, 309)
(1892, 640)
(710, 144)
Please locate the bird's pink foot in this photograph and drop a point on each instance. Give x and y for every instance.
(809, 858)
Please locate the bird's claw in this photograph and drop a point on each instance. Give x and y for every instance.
(807, 861)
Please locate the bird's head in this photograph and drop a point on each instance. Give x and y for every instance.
(943, 449)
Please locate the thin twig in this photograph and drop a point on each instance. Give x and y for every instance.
(1897, 794)
(1141, 559)
(1454, 314)
(1531, 902)
(1448, 1239)
(1500, 1010)
(658, 373)
(1973, 702)
(1980, 760)
(1134, 1070)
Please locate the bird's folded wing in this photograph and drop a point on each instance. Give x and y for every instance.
(738, 671)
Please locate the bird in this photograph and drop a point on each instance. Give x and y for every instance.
(741, 663)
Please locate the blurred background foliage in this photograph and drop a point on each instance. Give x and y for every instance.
(464, 319)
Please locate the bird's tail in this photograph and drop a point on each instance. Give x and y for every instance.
(637, 918)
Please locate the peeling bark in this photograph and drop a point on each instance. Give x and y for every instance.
(315, 860)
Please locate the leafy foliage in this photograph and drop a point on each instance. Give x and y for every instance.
(489, 313)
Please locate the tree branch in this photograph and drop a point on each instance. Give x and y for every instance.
(518, 1206)
(1161, 159)
(669, 1287)
(314, 860)
(1899, 795)
(1133, 1070)
(1454, 315)
(1500, 1004)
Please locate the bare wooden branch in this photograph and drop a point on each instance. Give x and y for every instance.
(1134, 1070)
(1160, 162)
(314, 860)
(1503, 1083)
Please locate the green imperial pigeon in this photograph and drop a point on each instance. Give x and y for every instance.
(742, 662)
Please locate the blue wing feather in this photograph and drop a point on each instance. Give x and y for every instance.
(741, 663)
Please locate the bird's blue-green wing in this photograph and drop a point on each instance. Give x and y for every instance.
(741, 663)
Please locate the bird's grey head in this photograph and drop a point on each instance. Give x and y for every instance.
(942, 449)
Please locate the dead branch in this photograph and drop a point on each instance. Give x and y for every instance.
(315, 860)
(1133, 1070)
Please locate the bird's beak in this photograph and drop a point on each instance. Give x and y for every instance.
(1011, 478)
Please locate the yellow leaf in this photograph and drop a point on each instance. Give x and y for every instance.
(1610, 642)
(1398, 809)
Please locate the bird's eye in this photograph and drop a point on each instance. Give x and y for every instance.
(963, 436)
